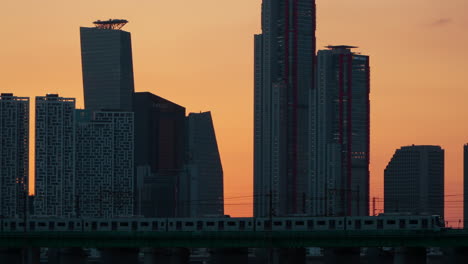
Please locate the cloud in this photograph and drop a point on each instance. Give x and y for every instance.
(441, 22)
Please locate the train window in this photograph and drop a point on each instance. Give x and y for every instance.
(321, 223)
(162, 224)
(220, 225)
(350, 222)
(277, 223)
(171, 224)
(78, 224)
(231, 223)
(391, 222)
(71, 225)
(332, 224)
(61, 224)
(210, 223)
(134, 225)
(41, 224)
(154, 225)
(340, 222)
(288, 224)
(368, 222)
(51, 225)
(242, 225)
(189, 224)
(114, 226)
(250, 223)
(199, 225)
(424, 223)
(145, 224)
(178, 225)
(268, 225)
(5, 224)
(402, 223)
(103, 224)
(357, 224)
(21, 224)
(259, 223)
(299, 223)
(379, 224)
(413, 222)
(310, 223)
(123, 224)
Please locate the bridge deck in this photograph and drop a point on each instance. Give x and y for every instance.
(445, 238)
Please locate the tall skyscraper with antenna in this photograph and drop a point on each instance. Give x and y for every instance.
(284, 81)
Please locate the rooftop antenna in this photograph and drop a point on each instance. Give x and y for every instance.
(114, 24)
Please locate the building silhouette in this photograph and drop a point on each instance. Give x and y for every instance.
(104, 164)
(414, 181)
(284, 79)
(465, 186)
(202, 186)
(55, 156)
(159, 154)
(340, 182)
(106, 57)
(14, 155)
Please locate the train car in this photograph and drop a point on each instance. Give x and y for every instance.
(210, 224)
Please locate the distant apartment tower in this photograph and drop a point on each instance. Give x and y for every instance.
(340, 180)
(204, 194)
(284, 68)
(414, 181)
(14, 155)
(55, 156)
(104, 164)
(465, 186)
(159, 154)
(106, 57)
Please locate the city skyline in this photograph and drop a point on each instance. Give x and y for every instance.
(409, 88)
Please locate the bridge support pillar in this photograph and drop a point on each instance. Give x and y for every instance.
(347, 255)
(228, 255)
(11, 255)
(457, 255)
(66, 256)
(289, 255)
(31, 255)
(119, 255)
(377, 255)
(410, 255)
(166, 255)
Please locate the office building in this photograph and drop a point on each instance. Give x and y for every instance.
(55, 156)
(14, 155)
(106, 58)
(340, 182)
(414, 181)
(204, 195)
(284, 60)
(104, 164)
(159, 154)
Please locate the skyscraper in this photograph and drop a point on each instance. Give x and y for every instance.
(204, 185)
(340, 183)
(14, 154)
(414, 181)
(159, 154)
(106, 57)
(104, 164)
(284, 80)
(55, 156)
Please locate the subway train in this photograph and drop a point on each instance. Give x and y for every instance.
(352, 223)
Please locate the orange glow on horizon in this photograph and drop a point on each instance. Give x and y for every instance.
(199, 54)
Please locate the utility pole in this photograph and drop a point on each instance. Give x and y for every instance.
(373, 206)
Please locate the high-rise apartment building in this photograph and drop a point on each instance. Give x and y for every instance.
(340, 181)
(104, 164)
(284, 80)
(159, 154)
(14, 155)
(106, 57)
(414, 181)
(202, 190)
(55, 156)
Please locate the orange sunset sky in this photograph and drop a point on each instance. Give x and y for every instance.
(199, 54)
